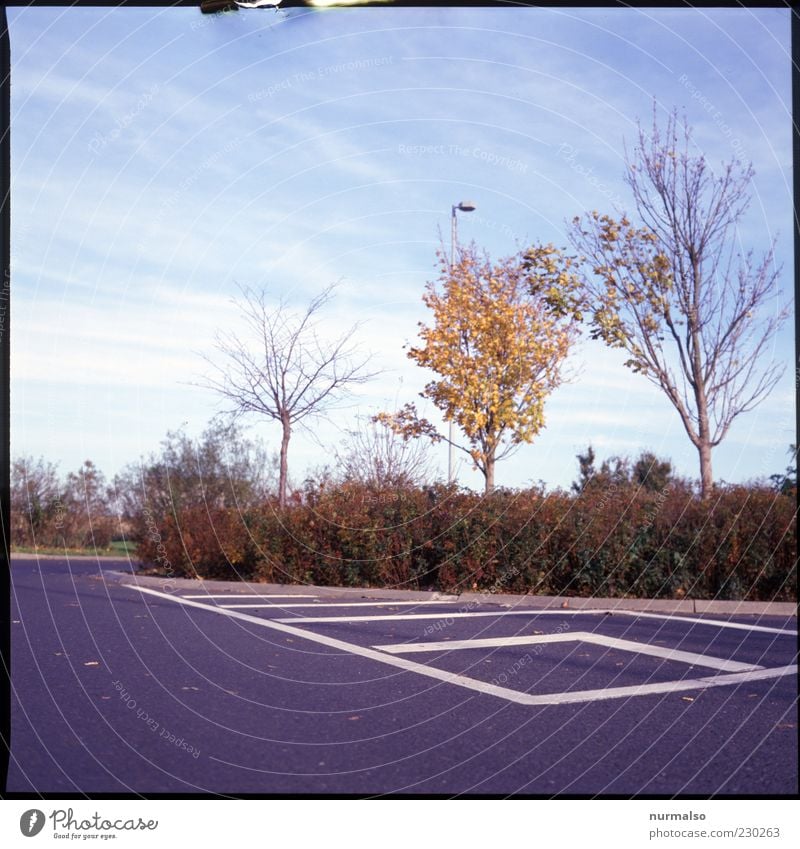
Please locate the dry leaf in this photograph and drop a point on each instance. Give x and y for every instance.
(687, 698)
(92, 663)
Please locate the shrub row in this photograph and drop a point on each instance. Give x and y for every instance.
(608, 539)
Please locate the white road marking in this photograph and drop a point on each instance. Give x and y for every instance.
(582, 637)
(597, 611)
(350, 648)
(339, 604)
(244, 595)
(718, 623)
(471, 683)
(407, 616)
(665, 687)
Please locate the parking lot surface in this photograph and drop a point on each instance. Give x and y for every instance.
(124, 684)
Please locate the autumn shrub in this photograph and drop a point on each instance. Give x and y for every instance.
(612, 539)
(199, 541)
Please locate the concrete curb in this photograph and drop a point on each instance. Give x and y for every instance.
(471, 599)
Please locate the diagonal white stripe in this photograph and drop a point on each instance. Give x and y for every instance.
(340, 604)
(244, 595)
(717, 623)
(408, 616)
(577, 636)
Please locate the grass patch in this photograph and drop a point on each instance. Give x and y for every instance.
(117, 548)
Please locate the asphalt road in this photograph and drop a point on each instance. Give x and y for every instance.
(123, 690)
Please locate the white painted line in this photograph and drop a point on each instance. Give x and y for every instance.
(717, 623)
(360, 651)
(243, 595)
(408, 616)
(664, 687)
(489, 642)
(598, 611)
(526, 612)
(582, 637)
(691, 658)
(340, 604)
(471, 683)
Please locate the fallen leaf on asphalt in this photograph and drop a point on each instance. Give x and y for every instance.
(786, 725)
(619, 664)
(538, 632)
(687, 698)
(92, 663)
(354, 717)
(15, 621)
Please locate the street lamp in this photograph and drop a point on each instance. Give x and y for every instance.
(463, 206)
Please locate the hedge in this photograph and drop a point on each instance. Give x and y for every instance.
(617, 540)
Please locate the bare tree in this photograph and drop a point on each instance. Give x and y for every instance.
(693, 312)
(36, 502)
(284, 371)
(374, 455)
(219, 469)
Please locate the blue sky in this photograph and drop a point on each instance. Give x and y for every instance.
(160, 157)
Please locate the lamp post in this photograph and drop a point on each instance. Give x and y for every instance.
(463, 206)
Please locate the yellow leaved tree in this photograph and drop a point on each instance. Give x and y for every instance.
(499, 337)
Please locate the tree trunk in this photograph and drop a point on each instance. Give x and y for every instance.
(703, 437)
(703, 425)
(287, 431)
(706, 477)
(489, 475)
